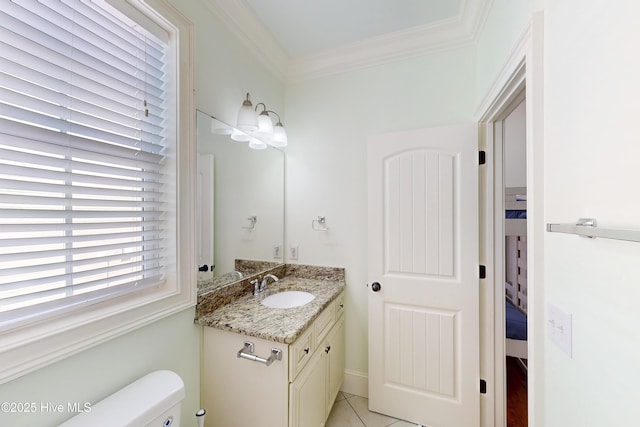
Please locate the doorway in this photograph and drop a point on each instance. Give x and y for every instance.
(521, 78)
(510, 135)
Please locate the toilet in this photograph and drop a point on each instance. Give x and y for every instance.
(152, 401)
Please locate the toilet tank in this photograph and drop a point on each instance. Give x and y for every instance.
(152, 401)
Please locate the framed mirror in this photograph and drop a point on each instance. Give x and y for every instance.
(240, 205)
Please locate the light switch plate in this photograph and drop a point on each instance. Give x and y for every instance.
(559, 328)
(293, 252)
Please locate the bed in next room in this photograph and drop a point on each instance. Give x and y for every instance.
(516, 271)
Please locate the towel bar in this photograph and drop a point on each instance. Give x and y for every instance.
(587, 227)
(246, 352)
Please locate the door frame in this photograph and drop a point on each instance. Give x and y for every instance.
(523, 71)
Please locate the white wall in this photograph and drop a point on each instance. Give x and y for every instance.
(592, 89)
(515, 144)
(590, 101)
(328, 121)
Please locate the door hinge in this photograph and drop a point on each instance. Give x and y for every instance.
(483, 272)
(482, 157)
(483, 387)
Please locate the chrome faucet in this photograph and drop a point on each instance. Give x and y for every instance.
(259, 287)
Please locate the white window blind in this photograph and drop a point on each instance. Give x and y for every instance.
(82, 157)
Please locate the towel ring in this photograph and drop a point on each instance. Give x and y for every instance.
(252, 220)
(319, 224)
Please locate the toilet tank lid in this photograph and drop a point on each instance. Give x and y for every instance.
(134, 404)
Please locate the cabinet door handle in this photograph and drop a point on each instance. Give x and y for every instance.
(306, 350)
(327, 349)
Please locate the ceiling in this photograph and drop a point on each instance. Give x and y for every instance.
(305, 27)
(303, 39)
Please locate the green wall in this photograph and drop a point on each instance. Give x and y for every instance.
(172, 343)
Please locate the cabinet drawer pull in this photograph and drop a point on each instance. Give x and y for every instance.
(246, 352)
(328, 349)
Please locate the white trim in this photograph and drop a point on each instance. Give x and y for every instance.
(412, 42)
(524, 68)
(460, 30)
(451, 33)
(355, 383)
(28, 349)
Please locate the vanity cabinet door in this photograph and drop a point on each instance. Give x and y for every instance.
(240, 392)
(335, 362)
(314, 391)
(307, 407)
(300, 352)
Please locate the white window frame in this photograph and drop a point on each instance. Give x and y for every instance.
(26, 349)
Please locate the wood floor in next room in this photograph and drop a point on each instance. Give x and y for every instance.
(516, 394)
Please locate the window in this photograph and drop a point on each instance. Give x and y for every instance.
(94, 126)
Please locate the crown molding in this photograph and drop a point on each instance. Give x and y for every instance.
(244, 24)
(473, 15)
(458, 31)
(452, 33)
(391, 47)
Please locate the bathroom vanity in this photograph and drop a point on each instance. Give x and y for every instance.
(275, 366)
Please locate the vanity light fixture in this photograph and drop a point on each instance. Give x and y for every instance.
(258, 129)
(239, 136)
(279, 135)
(247, 117)
(256, 144)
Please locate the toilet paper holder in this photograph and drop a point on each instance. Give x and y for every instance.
(246, 352)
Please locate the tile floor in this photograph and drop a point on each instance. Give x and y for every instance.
(353, 411)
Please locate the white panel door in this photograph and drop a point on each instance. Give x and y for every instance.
(423, 276)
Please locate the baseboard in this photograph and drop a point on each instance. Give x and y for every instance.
(356, 383)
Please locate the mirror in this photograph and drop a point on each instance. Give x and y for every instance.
(240, 205)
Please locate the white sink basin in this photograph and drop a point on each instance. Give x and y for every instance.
(288, 299)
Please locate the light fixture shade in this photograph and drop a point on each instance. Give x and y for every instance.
(247, 117)
(236, 135)
(265, 125)
(279, 136)
(256, 144)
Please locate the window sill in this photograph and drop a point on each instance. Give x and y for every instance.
(28, 349)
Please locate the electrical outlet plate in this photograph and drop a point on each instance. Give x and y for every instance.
(559, 328)
(293, 252)
(276, 252)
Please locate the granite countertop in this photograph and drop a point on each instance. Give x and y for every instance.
(245, 315)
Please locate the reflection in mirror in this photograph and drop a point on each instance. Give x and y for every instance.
(240, 207)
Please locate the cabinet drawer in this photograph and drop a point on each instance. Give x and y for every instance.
(324, 322)
(339, 303)
(300, 352)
